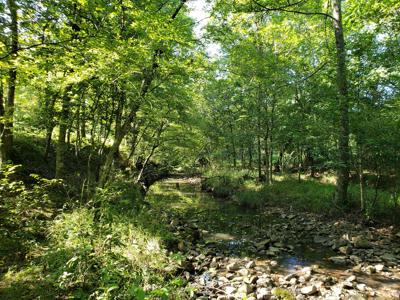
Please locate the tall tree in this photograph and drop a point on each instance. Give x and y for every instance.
(7, 135)
(343, 97)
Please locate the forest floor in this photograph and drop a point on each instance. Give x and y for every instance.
(231, 252)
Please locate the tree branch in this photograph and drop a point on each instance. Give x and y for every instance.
(285, 9)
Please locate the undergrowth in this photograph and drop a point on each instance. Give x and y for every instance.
(309, 194)
(111, 247)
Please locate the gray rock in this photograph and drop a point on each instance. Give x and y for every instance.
(309, 290)
(245, 289)
(229, 290)
(379, 267)
(290, 276)
(351, 278)
(361, 287)
(251, 280)
(232, 267)
(251, 264)
(263, 294)
(263, 282)
(244, 272)
(346, 250)
(338, 260)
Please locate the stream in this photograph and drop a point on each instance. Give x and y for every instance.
(239, 253)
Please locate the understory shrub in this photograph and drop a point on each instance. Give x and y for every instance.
(223, 184)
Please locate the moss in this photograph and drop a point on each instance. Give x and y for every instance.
(283, 294)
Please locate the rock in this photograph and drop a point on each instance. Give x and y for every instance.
(339, 243)
(263, 294)
(346, 250)
(251, 264)
(338, 260)
(229, 290)
(222, 297)
(306, 271)
(232, 267)
(263, 282)
(351, 278)
(251, 280)
(370, 269)
(293, 281)
(244, 272)
(379, 267)
(361, 287)
(273, 263)
(361, 242)
(245, 289)
(355, 259)
(309, 290)
(289, 277)
(348, 284)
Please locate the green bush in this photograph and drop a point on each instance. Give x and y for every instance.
(223, 184)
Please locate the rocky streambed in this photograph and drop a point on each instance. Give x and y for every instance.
(272, 253)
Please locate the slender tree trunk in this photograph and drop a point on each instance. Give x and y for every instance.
(266, 159)
(271, 139)
(259, 158)
(50, 102)
(299, 159)
(153, 149)
(63, 126)
(250, 156)
(12, 80)
(2, 149)
(341, 81)
(361, 177)
(233, 145)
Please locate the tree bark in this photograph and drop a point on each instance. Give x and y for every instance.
(8, 134)
(341, 82)
(233, 144)
(63, 126)
(2, 149)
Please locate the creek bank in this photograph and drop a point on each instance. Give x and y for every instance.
(273, 253)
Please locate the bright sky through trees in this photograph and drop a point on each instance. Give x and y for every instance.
(200, 12)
